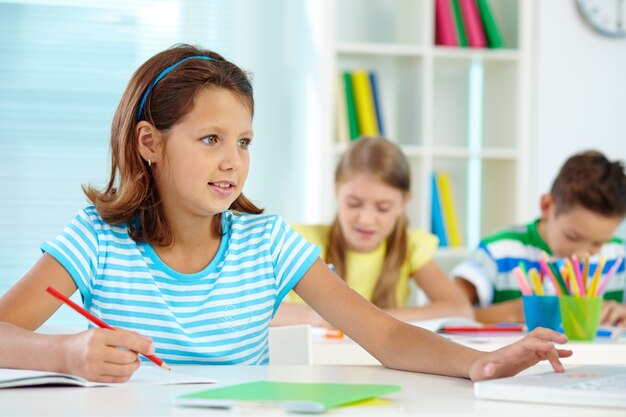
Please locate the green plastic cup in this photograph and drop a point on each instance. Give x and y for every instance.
(581, 316)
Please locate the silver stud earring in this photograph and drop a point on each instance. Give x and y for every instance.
(149, 162)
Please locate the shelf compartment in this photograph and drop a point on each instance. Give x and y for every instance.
(381, 21)
(400, 92)
(498, 197)
(475, 103)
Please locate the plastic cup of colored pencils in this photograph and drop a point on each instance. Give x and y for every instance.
(581, 316)
(541, 311)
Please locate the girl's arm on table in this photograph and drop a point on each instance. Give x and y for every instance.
(445, 298)
(401, 346)
(92, 354)
(507, 311)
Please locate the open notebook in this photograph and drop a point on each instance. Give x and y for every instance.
(593, 385)
(145, 375)
(462, 325)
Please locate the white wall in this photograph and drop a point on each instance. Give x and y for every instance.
(579, 97)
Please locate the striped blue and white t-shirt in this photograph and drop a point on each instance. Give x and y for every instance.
(220, 315)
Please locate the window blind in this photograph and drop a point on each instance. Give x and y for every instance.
(63, 68)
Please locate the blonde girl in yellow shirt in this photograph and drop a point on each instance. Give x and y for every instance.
(369, 243)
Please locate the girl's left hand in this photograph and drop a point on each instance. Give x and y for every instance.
(538, 345)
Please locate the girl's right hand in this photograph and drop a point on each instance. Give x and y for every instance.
(105, 355)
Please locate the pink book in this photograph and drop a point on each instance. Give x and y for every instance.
(473, 25)
(445, 34)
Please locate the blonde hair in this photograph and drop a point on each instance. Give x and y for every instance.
(384, 160)
(131, 195)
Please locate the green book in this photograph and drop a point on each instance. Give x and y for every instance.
(293, 397)
(494, 38)
(460, 26)
(353, 122)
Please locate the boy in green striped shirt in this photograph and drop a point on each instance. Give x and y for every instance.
(586, 204)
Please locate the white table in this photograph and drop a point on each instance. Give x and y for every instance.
(602, 351)
(421, 395)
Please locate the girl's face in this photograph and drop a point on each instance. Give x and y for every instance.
(204, 159)
(368, 210)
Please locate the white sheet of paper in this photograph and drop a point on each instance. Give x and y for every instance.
(145, 375)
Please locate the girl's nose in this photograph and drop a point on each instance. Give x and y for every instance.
(366, 215)
(230, 158)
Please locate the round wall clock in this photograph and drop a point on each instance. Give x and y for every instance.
(607, 17)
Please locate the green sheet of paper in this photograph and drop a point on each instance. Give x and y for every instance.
(295, 397)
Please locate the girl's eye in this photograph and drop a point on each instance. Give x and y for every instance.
(383, 209)
(244, 143)
(210, 140)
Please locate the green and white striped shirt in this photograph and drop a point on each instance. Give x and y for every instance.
(490, 266)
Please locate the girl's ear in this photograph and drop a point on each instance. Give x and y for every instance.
(148, 142)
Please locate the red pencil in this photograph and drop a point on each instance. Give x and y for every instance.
(95, 320)
(481, 329)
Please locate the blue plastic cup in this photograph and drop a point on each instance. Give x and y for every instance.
(542, 311)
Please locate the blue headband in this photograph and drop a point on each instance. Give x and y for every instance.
(161, 75)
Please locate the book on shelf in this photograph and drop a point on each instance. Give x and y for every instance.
(451, 220)
(353, 122)
(458, 21)
(377, 103)
(494, 38)
(436, 217)
(445, 32)
(366, 113)
(473, 24)
(341, 104)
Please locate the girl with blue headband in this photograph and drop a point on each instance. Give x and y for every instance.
(173, 255)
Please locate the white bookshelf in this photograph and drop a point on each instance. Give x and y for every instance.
(461, 110)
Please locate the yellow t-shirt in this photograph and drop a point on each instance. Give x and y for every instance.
(364, 268)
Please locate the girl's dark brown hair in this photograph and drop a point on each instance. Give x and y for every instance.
(131, 195)
(384, 160)
(590, 180)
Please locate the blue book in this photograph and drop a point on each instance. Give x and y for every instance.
(377, 105)
(436, 217)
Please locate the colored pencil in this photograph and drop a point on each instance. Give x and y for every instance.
(545, 271)
(596, 276)
(328, 333)
(608, 276)
(579, 276)
(586, 273)
(555, 274)
(521, 281)
(536, 281)
(573, 280)
(481, 329)
(97, 321)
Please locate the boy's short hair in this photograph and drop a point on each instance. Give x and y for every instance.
(590, 180)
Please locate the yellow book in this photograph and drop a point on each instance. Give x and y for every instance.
(341, 106)
(450, 218)
(364, 101)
